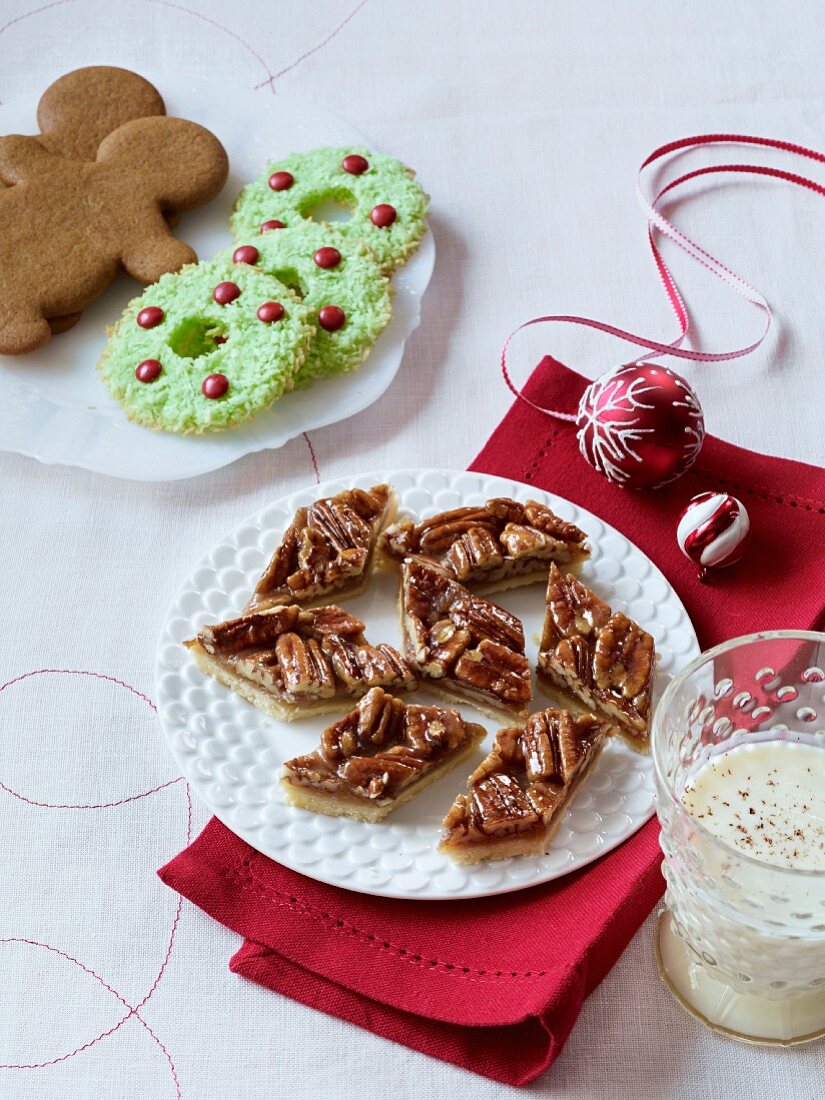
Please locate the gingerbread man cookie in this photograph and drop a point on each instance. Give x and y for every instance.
(67, 225)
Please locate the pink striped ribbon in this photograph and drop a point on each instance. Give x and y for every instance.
(657, 222)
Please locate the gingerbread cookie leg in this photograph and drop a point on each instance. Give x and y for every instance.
(22, 328)
(64, 323)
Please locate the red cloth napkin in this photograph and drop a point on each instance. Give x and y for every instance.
(495, 985)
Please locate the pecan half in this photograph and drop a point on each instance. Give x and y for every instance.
(376, 722)
(506, 510)
(338, 524)
(486, 620)
(540, 748)
(433, 729)
(313, 557)
(573, 608)
(574, 655)
(380, 718)
(255, 631)
(496, 670)
(283, 560)
(499, 806)
(399, 539)
(369, 503)
(358, 664)
(476, 551)
(528, 542)
(384, 775)
(439, 532)
(623, 657)
(545, 519)
(331, 620)
(444, 645)
(261, 668)
(426, 592)
(303, 666)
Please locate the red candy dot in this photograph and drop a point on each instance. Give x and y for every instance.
(383, 215)
(281, 181)
(150, 316)
(273, 223)
(354, 164)
(327, 257)
(220, 339)
(148, 370)
(270, 311)
(331, 318)
(215, 385)
(246, 254)
(224, 293)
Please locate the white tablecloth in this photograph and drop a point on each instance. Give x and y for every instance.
(525, 122)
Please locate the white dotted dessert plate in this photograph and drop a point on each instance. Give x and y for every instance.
(53, 405)
(232, 753)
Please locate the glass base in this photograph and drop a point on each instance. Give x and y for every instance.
(752, 1019)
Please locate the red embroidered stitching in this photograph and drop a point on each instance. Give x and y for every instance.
(308, 442)
(282, 72)
(249, 880)
(133, 1010)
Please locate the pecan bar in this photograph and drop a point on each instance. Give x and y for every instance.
(378, 757)
(516, 797)
(501, 544)
(598, 656)
(328, 548)
(293, 662)
(463, 646)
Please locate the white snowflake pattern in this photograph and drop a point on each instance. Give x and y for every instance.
(608, 445)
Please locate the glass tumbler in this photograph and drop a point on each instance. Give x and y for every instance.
(741, 941)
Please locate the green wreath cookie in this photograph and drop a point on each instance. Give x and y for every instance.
(388, 206)
(341, 285)
(206, 348)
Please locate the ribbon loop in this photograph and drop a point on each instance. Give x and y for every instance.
(657, 222)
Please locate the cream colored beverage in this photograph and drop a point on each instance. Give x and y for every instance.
(765, 799)
(768, 800)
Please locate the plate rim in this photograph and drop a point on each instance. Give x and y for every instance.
(324, 488)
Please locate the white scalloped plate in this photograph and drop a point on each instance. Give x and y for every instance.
(232, 753)
(53, 406)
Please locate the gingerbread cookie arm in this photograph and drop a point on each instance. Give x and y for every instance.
(21, 158)
(153, 251)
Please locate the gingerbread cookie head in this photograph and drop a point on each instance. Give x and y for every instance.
(80, 109)
(176, 163)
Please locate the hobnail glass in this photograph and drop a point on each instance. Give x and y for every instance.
(740, 942)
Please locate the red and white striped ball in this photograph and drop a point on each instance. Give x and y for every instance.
(712, 531)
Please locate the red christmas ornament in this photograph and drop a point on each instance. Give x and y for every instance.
(713, 530)
(641, 425)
